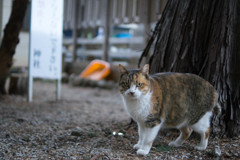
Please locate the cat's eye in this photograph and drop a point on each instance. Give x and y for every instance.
(125, 84)
(139, 84)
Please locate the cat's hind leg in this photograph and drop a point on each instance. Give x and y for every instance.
(203, 128)
(204, 140)
(185, 133)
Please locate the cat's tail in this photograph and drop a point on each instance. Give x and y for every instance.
(217, 109)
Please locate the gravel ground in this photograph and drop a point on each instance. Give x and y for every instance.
(88, 123)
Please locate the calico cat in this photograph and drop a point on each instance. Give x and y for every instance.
(171, 100)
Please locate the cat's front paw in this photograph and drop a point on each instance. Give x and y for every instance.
(200, 147)
(137, 146)
(174, 144)
(142, 152)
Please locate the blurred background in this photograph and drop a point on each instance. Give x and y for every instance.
(115, 31)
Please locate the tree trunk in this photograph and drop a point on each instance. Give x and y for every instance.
(10, 39)
(201, 37)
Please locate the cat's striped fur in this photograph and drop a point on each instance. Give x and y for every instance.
(172, 100)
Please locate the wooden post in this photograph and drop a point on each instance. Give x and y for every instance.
(58, 89)
(107, 32)
(75, 27)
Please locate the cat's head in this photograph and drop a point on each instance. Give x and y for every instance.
(134, 83)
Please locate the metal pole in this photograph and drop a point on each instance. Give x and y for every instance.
(58, 83)
(30, 78)
(30, 87)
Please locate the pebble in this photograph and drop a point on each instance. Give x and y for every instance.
(217, 151)
(77, 132)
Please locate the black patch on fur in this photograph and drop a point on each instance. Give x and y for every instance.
(152, 120)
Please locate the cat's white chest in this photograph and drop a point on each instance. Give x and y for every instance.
(138, 109)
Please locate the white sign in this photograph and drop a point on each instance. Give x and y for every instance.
(45, 55)
(46, 38)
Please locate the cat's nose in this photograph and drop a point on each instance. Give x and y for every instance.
(131, 93)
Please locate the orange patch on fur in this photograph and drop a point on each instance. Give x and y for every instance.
(156, 100)
(186, 132)
(139, 78)
(172, 114)
(214, 97)
(150, 143)
(207, 133)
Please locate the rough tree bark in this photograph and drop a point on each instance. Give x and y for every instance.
(10, 39)
(201, 37)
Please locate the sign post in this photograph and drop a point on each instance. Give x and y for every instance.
(45, 51)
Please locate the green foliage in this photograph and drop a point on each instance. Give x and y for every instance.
(163, 148)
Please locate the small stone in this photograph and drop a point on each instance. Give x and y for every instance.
(120, 134)
(217, 151)
(228, 154)
(7, 135)
(235, 145)
(78, 132)
(20, 120)
(236, 154)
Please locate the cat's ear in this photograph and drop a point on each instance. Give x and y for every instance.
(122, 69)
(145, 69)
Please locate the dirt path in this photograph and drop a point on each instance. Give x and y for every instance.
(88, 123)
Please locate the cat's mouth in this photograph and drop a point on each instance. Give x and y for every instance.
(132, 95)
